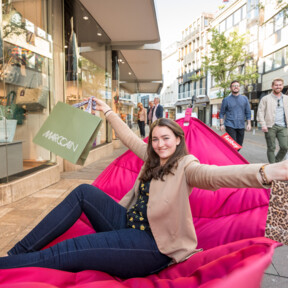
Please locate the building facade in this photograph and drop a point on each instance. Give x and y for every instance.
(192, 85)
(169, 92)
(241, 16)
(273, 61)
(68, 51)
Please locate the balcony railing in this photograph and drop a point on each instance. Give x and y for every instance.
(185, 95)
(200, 92)
(196, 92)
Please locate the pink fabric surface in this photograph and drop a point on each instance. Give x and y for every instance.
(220, 216)
(230, 226)
(237, 264)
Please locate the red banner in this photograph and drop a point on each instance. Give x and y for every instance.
(231, 141)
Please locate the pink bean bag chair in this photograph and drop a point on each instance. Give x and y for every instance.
(230, 225)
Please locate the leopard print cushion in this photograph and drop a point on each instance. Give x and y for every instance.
(277, 217)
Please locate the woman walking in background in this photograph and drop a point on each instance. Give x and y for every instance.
(142, 118)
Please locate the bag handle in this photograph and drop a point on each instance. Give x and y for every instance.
(9, 100)
(90, 103)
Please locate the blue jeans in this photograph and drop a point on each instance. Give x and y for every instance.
(236, 134)
(141, 125)
(115, 249)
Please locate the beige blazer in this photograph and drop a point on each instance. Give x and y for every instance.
(267, 110)
(168, 208)
(142, 115)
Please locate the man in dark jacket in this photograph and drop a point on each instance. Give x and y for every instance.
(236, 110)
(157, 111)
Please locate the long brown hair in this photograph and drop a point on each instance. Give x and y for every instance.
(152, 168)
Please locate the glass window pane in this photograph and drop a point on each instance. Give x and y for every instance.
(237, 16)
(86, 72)
(222, 27)
(27, 62)
(229, 22)
(279, 19)
(244, 12)
(269, 28)
(268, 63)
(278, 59)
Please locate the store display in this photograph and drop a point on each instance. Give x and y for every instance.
(12, 111)
(7, 128)
(33, 99)
(12, 152)
(10, 73)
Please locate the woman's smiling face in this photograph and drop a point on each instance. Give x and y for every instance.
(164, 143)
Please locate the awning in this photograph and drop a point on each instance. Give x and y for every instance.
(169, 107)
(133, 31)
(125, 103)
(202, 100)
(183, 102)
(216, 101)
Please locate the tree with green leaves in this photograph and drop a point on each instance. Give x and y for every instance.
(228, 60)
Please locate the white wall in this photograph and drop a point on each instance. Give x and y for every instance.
(169, 92)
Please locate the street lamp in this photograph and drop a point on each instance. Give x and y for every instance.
(250, 89)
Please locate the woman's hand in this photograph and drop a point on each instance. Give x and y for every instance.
(101, 105)
(277, 171)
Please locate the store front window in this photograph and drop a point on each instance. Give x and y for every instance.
(26, 63)
(87, 68)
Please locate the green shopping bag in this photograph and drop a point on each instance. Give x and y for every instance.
(69, 132)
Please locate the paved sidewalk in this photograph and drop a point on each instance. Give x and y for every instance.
(17, 219)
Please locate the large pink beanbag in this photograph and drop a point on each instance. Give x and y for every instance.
(230, 225)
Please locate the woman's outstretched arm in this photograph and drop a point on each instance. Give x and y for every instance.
(213, 177)
(125, 134)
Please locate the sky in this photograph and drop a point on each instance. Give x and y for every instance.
(175, 15)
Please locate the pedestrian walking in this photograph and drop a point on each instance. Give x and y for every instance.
(150, 113)
(157, 111)
(234, 112)
(142, 119)
(273, 117)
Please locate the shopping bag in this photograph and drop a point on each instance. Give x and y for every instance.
(231, 141)
(69, 132)
(277, 217)
(7, 129)
(31, 97)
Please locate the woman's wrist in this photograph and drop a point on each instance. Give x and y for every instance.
(107, 111)
(277, 171)
(264, 179)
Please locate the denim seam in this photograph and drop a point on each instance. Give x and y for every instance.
(101, 215)
(83, 250)
(39, 240)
